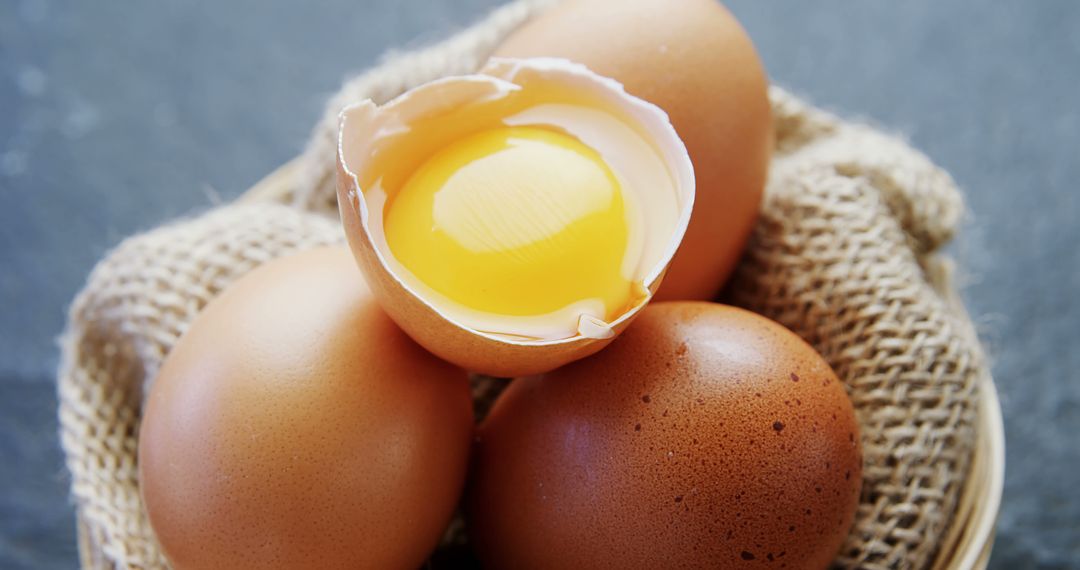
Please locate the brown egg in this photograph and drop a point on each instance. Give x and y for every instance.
(294, 426)
(693, 59)
(704, 436)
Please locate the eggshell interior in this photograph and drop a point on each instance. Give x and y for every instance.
(380, 146)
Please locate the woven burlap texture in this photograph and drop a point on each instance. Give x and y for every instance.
(845, 254)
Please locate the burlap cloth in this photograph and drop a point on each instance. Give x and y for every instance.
(844, 255)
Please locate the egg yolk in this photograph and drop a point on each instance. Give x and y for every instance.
(514, 221)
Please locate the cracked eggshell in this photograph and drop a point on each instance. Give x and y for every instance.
(380, 146)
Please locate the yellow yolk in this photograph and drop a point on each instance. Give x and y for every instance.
(514, 221)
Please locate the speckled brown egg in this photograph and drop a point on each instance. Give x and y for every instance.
(704, 437)
(295, 426)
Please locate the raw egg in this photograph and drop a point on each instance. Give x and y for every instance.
(694, 60)
(517, 219)
(705, 436)
(295, 426)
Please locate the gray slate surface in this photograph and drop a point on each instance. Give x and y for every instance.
(116, 116)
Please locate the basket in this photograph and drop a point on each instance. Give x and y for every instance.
(112, 531)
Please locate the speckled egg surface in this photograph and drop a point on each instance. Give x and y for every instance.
(705, 436)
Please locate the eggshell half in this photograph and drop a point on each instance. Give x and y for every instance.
(503, 86)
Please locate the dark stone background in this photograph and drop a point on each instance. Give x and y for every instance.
(116, 116)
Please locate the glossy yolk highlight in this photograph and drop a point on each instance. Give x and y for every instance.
(514, 221)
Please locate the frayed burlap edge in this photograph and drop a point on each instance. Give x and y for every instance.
(845, 254)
